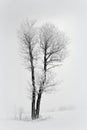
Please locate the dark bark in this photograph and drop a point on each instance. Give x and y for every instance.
(41, 87)
(38, 104)
(33, 94)
(33, 114)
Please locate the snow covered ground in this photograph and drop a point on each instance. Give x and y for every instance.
(56, 120)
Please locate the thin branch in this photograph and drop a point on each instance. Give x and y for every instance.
(53, 66)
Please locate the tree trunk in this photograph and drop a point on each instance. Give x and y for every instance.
(38, 104)
(33, 111)
(33, 114)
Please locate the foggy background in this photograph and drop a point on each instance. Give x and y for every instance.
(71, 17)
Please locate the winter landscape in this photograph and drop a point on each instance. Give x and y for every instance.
(45, 40)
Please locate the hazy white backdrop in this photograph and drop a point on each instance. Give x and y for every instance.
(71, 17)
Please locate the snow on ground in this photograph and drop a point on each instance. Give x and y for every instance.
(55, 120)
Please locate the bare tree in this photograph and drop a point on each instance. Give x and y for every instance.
(53, 47)
(45, 46)
(28, 39)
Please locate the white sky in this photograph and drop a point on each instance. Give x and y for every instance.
(71, 17)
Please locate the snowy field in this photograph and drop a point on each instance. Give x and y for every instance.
(60, 120)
